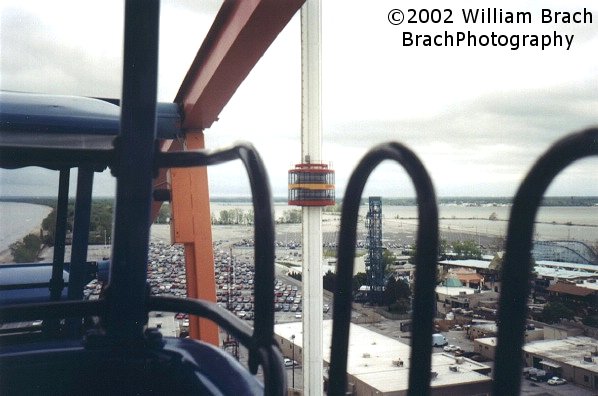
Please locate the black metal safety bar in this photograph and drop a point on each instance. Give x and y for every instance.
(134, 147)
(133, 160)
(515, 272)
(57, 282)
(425, 280)
(69, 309)
(262, 350)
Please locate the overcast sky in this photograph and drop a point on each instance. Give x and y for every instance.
(477, 117)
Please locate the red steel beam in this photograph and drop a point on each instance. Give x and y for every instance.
(241, 33)
(239, 36)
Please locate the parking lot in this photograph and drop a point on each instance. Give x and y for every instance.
(234, 277)
(531, 388)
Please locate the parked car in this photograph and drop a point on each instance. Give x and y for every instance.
(557, 381)
(438, 340)
(451, 348)
(289, 363)
(537, 375)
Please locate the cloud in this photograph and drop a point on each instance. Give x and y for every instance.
(490, 141)
(477, 118)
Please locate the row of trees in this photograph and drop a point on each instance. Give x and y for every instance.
(26, 250)
(291, 216)
(396, 295)
(100, 226)
(233, 216)
(100, 230)
(462, 249)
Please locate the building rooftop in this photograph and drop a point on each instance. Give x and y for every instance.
(573, 289)
(480, 264)
(457, 291)
(561, 273)
(371, 357)
(570, 266)
(589, 283)
(570, 351)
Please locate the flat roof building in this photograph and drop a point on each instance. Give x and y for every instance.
(379, 365)
(573, 358)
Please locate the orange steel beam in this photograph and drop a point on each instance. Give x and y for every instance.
(241, 33)
(191, 225)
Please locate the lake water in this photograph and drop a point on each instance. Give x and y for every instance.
(18, 220)
(552, 221)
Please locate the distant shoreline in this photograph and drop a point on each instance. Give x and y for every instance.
(560, 201)
(5, 254)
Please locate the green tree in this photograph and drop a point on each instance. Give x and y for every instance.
(402, 306)
(224, 217)
(336, 208)
(291, 216)
(390, 292)
(100, 226)
(249, 217)
(296, 275)
(412, 253)
(554, 311)
(591, 320)
(396, 290)
(466, 250)
(164, 215)
(27, 250)
(359, 279)
(329, 280)
(388, 258)
(443, 248)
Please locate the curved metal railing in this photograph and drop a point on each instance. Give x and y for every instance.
(261, 347)
(425, 280)
(515, 274)
(260, 343)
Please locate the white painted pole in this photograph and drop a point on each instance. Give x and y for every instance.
(311, 142)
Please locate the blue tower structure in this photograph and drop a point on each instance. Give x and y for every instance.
(374, 261)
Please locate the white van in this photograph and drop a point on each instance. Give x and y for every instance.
(438, 340)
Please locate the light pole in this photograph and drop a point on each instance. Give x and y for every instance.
(293, 359)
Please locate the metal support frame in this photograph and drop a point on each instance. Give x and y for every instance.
(134, 162)
(293, 358)
(263, 350)
(425, 261)
(311, 151)
(127, 291)
(78, 268)
(239, 36)
(78, 271)
(191, 225)
(57, 281)
(375, 268)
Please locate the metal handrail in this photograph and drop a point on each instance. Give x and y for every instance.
(425, 260)
(516, 273)
(261, 349)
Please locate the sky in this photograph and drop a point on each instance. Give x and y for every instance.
(477, 117)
